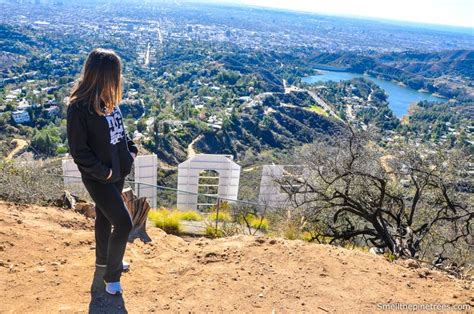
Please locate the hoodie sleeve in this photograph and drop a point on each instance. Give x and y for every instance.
(132, 147)
(80, 151)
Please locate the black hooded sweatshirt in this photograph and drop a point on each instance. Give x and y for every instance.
(99, 143)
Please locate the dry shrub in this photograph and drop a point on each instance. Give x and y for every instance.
(36, 182)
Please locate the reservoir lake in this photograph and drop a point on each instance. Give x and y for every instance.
(399, 97)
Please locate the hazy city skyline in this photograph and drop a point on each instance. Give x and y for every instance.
(438, 12)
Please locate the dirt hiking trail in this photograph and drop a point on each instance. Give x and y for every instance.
(47, 266)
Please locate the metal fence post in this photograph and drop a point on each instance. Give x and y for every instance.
(218, 205)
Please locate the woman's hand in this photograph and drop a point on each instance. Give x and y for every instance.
(133, 155)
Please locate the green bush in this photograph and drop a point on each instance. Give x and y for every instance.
(46, 140)
(213, 232)
(315, 237)
(166, 220)
(259, 223)
(390, 257)
(61, 150)
(255, 222)
(190, 216)
(223, 217)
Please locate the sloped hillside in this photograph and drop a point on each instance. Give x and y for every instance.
(456, 62)
(276, 124)
(47, 266)
(273, 125)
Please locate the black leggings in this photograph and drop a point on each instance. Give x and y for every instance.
(110, 211)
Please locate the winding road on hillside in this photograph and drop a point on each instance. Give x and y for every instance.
(323, 104)
(191, 150)
(20, 144)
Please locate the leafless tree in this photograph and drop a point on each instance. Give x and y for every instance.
(412, 201)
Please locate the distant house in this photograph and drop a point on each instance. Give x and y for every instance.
(244, 99)
(216, 126)
(132, 92)
(23, 105)
(21, 116)
(198, 107)
(52, 102)
(10, 97)
(52, 111)
(50, 89)
(174, 124)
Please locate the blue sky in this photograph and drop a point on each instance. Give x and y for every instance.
(442, 12)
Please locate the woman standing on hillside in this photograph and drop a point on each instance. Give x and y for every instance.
(104, 155)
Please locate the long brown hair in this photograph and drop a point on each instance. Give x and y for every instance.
(100, 84)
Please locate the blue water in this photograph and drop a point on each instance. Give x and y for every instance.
(399, 97)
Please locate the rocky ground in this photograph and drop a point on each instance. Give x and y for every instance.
(47, 265)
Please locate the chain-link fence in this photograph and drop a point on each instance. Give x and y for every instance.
(43, 183)
(212, 215)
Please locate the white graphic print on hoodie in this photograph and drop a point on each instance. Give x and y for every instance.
(115, 126)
